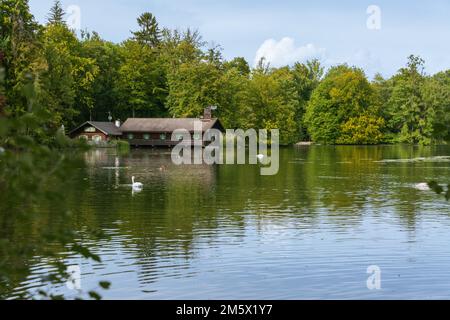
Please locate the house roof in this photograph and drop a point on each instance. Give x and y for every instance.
(107, 128)
(167, 124)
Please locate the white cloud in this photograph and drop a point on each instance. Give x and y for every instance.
(284, 52)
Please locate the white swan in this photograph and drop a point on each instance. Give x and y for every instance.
(136, 185)
(135, 191)
(422, 186)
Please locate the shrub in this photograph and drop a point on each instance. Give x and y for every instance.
(364, 129)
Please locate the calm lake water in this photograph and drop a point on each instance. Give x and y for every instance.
(225, 232)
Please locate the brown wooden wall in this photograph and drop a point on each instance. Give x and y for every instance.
(90, 135)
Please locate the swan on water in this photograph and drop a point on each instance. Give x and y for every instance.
(422, 186)
(135, 191)
(136, 185)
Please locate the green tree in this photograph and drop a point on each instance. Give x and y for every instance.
(56, 15)
(344, 93)
(271, 102)
(178, 47)
(383, 91)
(141, 83)
(231, 97)
(192, 87)
(436, 94)
(214, 55)
(21, 49)
(66, 84)
(307, 77)
(240, 64)
(35, 164)
(149, 33)
(410, 116)
(104, 93)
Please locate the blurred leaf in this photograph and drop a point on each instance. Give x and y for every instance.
(94, 295)
(436, 187)
(85, 252)
(105, 284)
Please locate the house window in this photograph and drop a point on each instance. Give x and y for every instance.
(197, 136)
(146, 136)
(179, 136)
(90, 129)
(163, 136)
(97, 138)
(130, 136)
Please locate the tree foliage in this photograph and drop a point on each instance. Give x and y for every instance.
(410, 116)
(56, 15)
(141, 85)
(66, 85)
(343, 94)
(364, 129)
(271, 103)
(35, 164)
(149, 33)
(307, 77)
(103, 94)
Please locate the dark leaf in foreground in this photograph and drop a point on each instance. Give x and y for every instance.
(94, 295)
(105, 284)
(436, 187)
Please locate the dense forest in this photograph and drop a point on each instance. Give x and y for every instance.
(159, 72)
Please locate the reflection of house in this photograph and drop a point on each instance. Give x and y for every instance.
(97, 131)
(147, 131)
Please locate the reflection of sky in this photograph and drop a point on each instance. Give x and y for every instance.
(336, 31)
(278, 261)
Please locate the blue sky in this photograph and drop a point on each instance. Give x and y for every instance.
(288, 30)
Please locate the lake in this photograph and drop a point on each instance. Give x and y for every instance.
(226, 232)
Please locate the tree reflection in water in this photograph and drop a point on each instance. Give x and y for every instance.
(188, 219)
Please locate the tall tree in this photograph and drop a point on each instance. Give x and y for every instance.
(103, 88)
(383, 91)
(306, 77)
(270, 102)
(240, 64)
(234, 84)
(141, 82)
(56, 15)
(19, 41)
(192, 87)
(67, 83)
(149, 34)
(178, 47)
(410, 116)
(436, 93)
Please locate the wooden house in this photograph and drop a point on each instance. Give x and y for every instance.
(158, 132)
(95, 131)
(146, 131)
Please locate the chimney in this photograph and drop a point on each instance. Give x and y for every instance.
(207, 114)
(118, 123)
